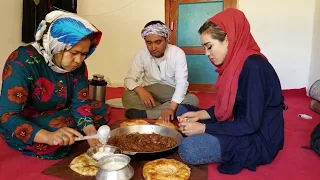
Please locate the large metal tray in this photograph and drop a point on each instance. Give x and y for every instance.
(149, 129)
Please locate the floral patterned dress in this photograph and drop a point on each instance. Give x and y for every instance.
(34, 97)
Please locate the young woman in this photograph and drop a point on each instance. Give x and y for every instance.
(245, 128)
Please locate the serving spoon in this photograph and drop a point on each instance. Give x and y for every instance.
(102, 135)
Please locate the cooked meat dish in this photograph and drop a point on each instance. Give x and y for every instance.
(143, 142)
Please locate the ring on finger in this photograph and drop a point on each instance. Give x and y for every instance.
(62, 135)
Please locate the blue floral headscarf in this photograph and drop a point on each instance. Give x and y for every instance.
(60, 31)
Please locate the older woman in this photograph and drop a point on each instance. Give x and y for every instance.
(246, 127)
(44, 96)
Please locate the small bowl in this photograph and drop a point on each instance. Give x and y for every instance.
(98, 152)
(115, 167)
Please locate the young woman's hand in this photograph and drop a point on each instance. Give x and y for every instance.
(190, 128)
(189, 117)
(194, 116)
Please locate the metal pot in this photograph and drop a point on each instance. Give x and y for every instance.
(149, 129)
(115, 167)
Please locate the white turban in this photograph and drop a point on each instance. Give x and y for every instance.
(157, 29)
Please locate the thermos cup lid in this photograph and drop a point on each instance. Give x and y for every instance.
(98, 77)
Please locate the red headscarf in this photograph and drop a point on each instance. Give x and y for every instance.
(241, 46)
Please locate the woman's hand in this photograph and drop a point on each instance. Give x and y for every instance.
(194, 116)
(89, 131)
(63, 136)
(94, 142)
(188, 117)
(190, 128)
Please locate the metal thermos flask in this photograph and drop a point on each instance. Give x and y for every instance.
(97, 88)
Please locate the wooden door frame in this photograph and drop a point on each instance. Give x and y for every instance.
(171, 21)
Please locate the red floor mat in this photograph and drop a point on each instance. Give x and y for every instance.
(291, 163)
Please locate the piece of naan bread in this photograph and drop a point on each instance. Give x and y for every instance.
(84, 165)
(169, 124)
(166, 169)
(133, 122)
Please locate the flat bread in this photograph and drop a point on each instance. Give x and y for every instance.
(169, 124)
(133, 122)
(84, 165)
(166, 169)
